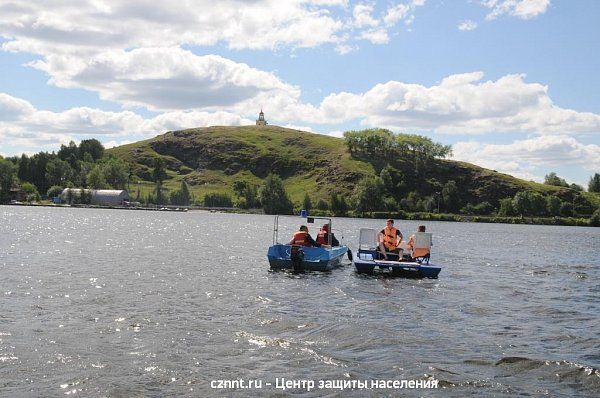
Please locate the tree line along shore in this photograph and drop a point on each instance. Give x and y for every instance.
(370, 173)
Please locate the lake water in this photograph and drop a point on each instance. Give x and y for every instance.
(138, 303)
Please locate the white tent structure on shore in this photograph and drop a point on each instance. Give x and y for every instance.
(106, 197)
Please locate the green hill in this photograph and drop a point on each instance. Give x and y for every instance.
(211, 159)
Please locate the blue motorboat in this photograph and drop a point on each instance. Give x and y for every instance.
(366, 260)
(304, 258)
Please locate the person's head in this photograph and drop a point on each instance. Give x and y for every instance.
(421, 228)
(303, 228)
(325, 227)
(389, 223)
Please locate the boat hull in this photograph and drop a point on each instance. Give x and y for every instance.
(315, 258)
(365, 264)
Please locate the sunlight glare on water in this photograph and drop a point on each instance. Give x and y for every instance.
(137, 303)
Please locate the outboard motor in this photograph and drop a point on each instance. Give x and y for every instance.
(297, 256)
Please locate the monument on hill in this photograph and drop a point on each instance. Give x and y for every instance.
(261, 119)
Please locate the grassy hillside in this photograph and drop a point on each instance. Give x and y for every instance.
(210, 159)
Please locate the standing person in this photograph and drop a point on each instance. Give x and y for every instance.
(323, 236)
(389, 239)
(303, 238)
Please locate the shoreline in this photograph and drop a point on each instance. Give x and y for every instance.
(418, 216)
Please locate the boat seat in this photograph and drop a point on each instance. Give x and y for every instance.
(422, 246)
(368, 239)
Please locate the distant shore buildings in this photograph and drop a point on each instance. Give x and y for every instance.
(106, 197)
(261, 119)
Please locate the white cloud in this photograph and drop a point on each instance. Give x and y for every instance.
(467, 25)
(164, 79)
(88, 26)
(376, 36)
(362, 16)
(81, 30)
(84, 28)
(396, 13)
(35, 130)
(376, 30)
(460, 104)
(12, 108)
(524, 9)
(521, 157)
(176, 80)
(181, 120)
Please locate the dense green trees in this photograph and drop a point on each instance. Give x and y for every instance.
(71, 166)
(247, 194)
(553, 179)
(53, 191)
(384, 143)
(529, 203)
(595, 219)
(553, 204)
(181, 196)
(450, 196)
(93, 147)
(339, 207)
(594, 184)
(506, 208)
(116, 173)
(322, 205)
(159, 174)
(58, 172)
(306, 202)
(216, 199)
(274, 197)
(8, 173)
(96, 179)
(368, 195)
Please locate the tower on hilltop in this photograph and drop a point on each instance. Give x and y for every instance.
(261, 119)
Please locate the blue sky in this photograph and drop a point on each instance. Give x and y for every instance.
(511, 84)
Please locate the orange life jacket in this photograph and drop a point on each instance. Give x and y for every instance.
(420, 252)
(389, 238)
(300, 239)
(322, 237)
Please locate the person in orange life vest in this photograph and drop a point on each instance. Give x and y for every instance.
(419, 252)
(303, 238)
(323, 237)
(389, 239)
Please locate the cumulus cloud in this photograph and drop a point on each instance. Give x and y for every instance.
(362, 16)
(460, 104)
(524, 9)
(12, 108)
(33, 130)
(467, 25)
(88, 27)
(521, 157)
(172, 79)
(164, 78)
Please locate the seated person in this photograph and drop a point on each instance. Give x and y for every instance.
(303, 238)
(323, 237)
(389, 239)
(418, 252)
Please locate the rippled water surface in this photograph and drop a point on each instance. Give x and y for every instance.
(136, 303)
